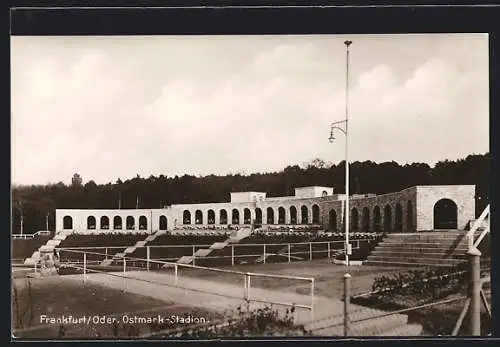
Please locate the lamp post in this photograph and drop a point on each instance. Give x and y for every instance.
(338, 126)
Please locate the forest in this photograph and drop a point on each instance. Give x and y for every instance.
(37, 203)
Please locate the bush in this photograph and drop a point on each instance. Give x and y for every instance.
(436, 283)
(265, 321)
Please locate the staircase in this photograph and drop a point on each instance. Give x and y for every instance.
(236, 237)
(48, 247)
(364, 325)
(284, 252)
(437, 248)
(131, 249)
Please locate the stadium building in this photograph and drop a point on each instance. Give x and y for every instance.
(415, 209)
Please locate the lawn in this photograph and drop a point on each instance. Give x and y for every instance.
(328, 277)
(56, 297)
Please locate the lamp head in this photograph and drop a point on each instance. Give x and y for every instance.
(331, 138)
(347, 43)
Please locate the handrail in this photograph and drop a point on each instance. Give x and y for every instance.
(477, 223)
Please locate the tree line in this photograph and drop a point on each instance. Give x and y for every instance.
(37, 203)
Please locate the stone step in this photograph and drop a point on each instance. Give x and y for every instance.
(415, 260)
(418, 248)
(368, 327)
(46, 248)
(186, 259)
(404, 330)
(140, 244)
(415, 254)
(218, 245)
(106, 262)
(203, 252)
(400, 264)
(53, 242)
(423, 244)
(426, 239)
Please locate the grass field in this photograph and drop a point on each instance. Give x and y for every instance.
(57, 296)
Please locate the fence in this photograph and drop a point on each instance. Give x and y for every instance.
(234, 252)
(233, 286)
(446, 320)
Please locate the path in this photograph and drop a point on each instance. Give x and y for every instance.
(222, 296)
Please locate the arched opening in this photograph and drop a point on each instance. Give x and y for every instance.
(304, 214)
(235, 218)
(281, 215)
(91, 223)
(270, 215)
(143, 223)
(247, 218)
(332, 220)
(398, 225)
(387, 218)
(104, 223)
(377, 219)
(324, 193)
(315, 210)
(223, 217)
(198, 217)
(211, 216)
(258, 216)
(67, 222)
(163, 223)
(354, 219)
(409, 216)
(130, 221)
(293, 215)
(366, 219)
(186, 217)
(117, 223)
(445, 214)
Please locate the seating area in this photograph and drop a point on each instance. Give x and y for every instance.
(86, 242)
(24, 248)
(186, 240)
(293, 228)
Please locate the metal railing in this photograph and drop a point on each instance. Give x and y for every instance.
(310, 249)
(245, 295)
(475, 226)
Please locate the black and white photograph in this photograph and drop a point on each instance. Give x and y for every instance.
(250, 186)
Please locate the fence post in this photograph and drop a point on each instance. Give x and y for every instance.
(194, 256)
(175, 273)
(264, 258)
(312, 299)
(248, 287)
(288, 252)
(106, 250)
(232, 255)
(475, 291)
(329, 253)
(347, 301)
(84, 266)
(310, 251)
(147, 257)
(124, 270)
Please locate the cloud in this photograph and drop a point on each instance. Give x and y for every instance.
(109, 113)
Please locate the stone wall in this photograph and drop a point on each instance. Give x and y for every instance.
(462, 195)
(405, 211)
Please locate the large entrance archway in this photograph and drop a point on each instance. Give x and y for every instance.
(377, 219)
(258, 216)
(315, 214)
(409, 216)
(354, 219)
(445, 214)
(398, 223)
(281, 215)
(332, 220)
(270, 215)
(366, 220)
(387, 218)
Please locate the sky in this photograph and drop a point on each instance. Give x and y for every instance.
(116, 107)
